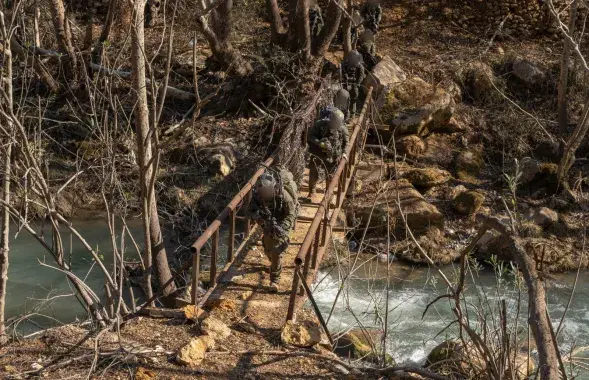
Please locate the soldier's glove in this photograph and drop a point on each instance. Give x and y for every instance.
(325, 146)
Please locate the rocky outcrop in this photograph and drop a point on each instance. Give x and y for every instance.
(383, 76)
(428, 177)
(193, 353)
(301, 334)
(372, 208)
(416, 107)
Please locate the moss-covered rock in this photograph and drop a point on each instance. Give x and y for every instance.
(416, 107)
(359, 344)
(468, 202)
(480, 82)
(469, 164)
(428, 177)
(412, 146)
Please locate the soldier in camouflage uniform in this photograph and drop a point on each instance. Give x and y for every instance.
(274, 206)
(341, 101)
(328, 140)
(372, 13)
(352, 74)
(354, 29)
(315, 19)
(367, 49)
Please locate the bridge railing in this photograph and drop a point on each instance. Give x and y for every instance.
(316, 241)
(211, 234)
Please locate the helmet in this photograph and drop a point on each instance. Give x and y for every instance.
(266, 186)
(336, 119)
(341, 99)
(367, 36)
(353, 58)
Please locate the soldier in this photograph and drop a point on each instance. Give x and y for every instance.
(341, 101)
(274, 206)
(372, 13)
(368, 49)
(356, 22)
(315, 19)
(328, 140)
(352, 74)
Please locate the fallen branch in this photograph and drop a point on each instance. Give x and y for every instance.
(171, 92)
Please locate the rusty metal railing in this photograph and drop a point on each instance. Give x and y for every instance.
(229, 215)
(316, 241)
(212, 233)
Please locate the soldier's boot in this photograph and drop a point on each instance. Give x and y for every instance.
(275, 271)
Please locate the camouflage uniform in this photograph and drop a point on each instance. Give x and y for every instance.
(341, 101)
(372, 14)
(367, 48)
(277, 217)
(352, 75)
(326, 147)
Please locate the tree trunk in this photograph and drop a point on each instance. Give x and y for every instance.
(276, 26)
(218, 38)
(572, 144)
(334, 16)
(538, 317)
(347, 29)
(5, 226)
(64, 40)
(302, 29)
(4, 238)
(563, 80)
(155, 252)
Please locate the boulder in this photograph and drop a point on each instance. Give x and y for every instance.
(412, 146)
(456, 357)
(468, 202)
(193, 353)
(469, 164)
(194, 313)
(547, 150)
(453, 356)
(416, 107)
(528, 168)
(527, 72)
(372, 208)
(301, 334)
(215, 329)
(479, 81)
(384, 75)
(543, 216)
(428, 177)
(358, 344)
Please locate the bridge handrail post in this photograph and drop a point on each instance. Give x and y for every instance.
(195, 277)
(293, 294)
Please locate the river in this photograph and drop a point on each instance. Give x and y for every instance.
(410, 290)
(31, 284)
(411, 336)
